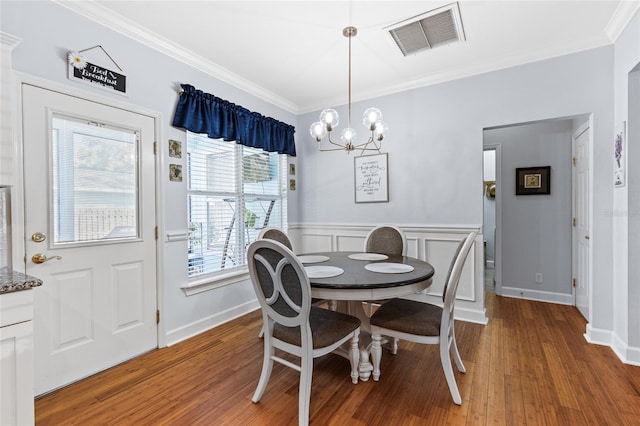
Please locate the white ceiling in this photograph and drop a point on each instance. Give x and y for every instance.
(293, 53)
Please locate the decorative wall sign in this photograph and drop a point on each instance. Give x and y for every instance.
(533, 180)
(371, 178)
(620, 154)
(97, 75)
(175, 149)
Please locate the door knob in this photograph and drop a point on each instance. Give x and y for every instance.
(41, 258)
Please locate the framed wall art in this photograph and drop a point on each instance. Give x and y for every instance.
(620, 149)
(533, 180)
(371, 178)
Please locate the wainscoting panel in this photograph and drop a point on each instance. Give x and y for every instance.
(434, 244)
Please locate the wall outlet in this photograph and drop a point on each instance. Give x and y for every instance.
(539, 278)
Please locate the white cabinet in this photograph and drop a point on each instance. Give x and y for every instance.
(16, 358)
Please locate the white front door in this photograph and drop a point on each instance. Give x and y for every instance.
(89, 181)
(581, 242)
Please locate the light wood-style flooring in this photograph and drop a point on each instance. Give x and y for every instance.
(529, 366)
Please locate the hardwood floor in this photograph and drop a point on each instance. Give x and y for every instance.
(529, 366)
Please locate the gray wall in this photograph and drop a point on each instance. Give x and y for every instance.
(435, 151)
(536, 229)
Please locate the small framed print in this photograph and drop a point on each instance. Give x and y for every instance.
(619, 176)
(533, 180)
(175, 172)
(175, 149)
(292, 169)
(292, 184)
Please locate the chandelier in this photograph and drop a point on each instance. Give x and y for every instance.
(329, 119)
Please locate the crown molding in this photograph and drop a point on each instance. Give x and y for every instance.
(9, 40)
(103, 16)
(620, 19)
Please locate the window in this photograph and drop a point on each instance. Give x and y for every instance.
(233, 192)
(95, 182)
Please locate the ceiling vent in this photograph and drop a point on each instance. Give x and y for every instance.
(435, 28)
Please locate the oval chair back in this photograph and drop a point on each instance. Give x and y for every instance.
(387, 239)
(275, 234)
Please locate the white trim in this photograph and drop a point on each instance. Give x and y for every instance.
(537, 295)
(620, 19)
(215, 281)
(627, 354)
(9, 40)
(185, 332)
(598, 336)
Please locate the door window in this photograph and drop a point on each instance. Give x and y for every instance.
(94, 173)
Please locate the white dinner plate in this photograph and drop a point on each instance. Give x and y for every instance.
(368, 256)
(388, 268)
(323, 271)
(313, 259)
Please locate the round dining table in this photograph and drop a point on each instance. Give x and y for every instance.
(350, 278)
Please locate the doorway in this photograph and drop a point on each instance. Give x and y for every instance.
(489, 218)
(533, 233)
(89, 186)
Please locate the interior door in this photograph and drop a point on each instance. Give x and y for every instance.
(581, 218)
(89, 234)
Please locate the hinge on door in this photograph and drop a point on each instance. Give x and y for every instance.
(157, 316)
(155, 148)
(574, 222)
(574, 283)
(574, 161)
(156, 232)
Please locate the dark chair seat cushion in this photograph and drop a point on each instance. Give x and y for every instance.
(327, 327)
(409, 316)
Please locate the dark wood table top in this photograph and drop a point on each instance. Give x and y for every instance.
(356, 277)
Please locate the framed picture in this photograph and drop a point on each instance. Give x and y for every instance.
(175, 172)
(175, 149)
(533, 180)
(371, 178)
(620, 149)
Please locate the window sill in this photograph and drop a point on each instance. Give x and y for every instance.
(216, 281)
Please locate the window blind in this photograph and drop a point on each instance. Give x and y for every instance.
(233, 192)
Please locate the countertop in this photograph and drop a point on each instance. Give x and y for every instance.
(11, 281)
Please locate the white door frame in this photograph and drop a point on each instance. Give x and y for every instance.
(497, 243)
(18, 196)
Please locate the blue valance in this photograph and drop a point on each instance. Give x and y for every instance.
(201, 112)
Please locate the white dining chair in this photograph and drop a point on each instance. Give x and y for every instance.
(389, 240)
(275, 234)
(425, 323)
(386, 239)
(292, 324)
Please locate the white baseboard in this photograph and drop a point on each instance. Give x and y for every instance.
(537, 295)
(182, 333)
(598, 336)
(627, 354)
